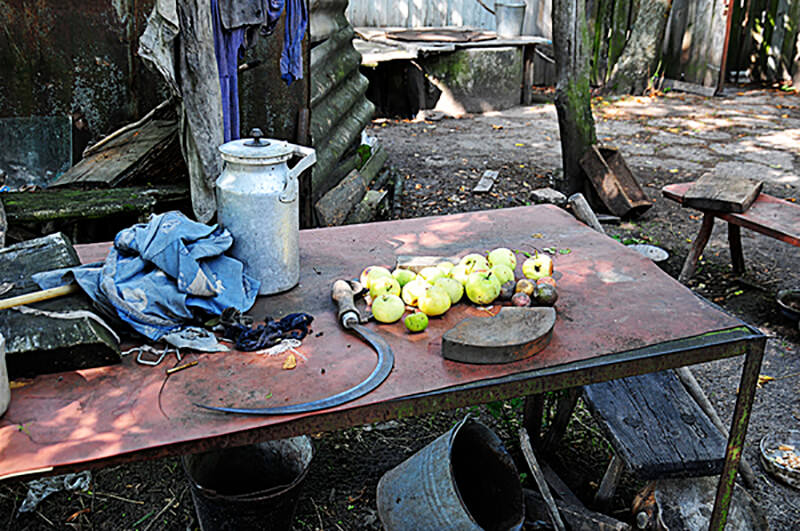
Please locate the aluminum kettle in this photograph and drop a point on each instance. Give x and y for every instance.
(257, 201)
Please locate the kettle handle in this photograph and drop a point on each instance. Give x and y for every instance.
(309, 155)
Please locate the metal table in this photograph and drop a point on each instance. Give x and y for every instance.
(618, 315)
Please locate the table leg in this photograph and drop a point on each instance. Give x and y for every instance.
(741, 418)
(697, 248)
(532, 416)
(735, 244)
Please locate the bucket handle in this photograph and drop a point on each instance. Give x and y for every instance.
(290, 187)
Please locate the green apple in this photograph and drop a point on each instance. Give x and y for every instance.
(382, 285)
(434, 301)
(403, 276)
(503, 273)
(416, 322)
(460, 272)
(431, 273)
(454, 288)
(413, 290)
(475, 262)
(373, 272)
(388, 308)
(482, 287)
(537, 267)
(446, 267)
(503, 256)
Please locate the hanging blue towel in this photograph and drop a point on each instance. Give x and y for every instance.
(163, 275)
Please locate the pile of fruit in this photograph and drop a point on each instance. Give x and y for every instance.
(484, 279)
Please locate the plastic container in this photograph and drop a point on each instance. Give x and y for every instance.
(249, 487)
(509, 17)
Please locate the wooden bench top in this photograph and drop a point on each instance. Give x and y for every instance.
(768, 215)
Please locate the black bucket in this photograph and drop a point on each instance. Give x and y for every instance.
(249, 487)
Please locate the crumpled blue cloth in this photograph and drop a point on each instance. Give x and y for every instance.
(163, 275)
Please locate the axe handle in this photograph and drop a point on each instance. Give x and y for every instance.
(38, 296)
(342, 294)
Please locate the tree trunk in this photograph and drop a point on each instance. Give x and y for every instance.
(573, 95)
(639, 61)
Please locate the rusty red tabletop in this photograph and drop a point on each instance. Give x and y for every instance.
(618, 315)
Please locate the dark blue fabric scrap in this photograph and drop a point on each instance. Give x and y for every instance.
(248, 339)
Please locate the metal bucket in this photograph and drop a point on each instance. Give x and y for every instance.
(463, 480)
(249, 487)
(5, 389)
(509, 17)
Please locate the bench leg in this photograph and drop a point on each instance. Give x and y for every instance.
(735, 244)
(697, 248)
(741, 417)
(608, 486)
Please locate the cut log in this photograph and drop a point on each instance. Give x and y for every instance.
(724, 193)
(38, 344)
(333, 207)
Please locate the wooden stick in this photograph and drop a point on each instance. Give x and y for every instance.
(693, 387)
(581, 210)
(39, 296)
(538, 475)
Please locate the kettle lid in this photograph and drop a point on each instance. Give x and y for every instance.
(256, 150)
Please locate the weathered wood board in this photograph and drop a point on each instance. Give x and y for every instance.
(723, 193)
(150, 151)
(487, 181)
(656, 427)
(37, 344)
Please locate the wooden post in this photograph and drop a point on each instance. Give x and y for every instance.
(573, 92)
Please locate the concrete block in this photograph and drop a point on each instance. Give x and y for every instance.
(476, 80)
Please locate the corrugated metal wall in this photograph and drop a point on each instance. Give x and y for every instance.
(420, 13)
(339, 107)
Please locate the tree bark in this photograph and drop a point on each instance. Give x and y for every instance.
(639, 60)
(573, 94)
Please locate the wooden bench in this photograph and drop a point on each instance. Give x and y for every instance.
(767, 215)
(656, 429)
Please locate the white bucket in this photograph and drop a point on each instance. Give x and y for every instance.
(509, 17)
(5, 390)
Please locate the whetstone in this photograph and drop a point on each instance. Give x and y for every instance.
(723, 193)
(37, 344)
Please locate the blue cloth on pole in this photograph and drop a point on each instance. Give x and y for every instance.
(293, 32)
(161, 276)
(228, 49)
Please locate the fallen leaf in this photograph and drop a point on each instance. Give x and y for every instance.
(76, 514)
(537, 235)
(519, 145)
(290, 362)
(496, 127)
(16, 384)
(762, 379)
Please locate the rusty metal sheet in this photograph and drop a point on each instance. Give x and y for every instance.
(616, 310)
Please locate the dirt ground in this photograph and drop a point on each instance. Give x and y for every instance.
(665, 139)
